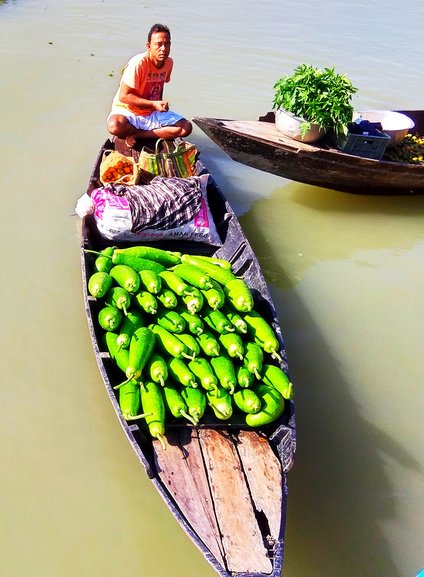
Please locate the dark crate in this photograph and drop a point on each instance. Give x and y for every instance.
(365, 145)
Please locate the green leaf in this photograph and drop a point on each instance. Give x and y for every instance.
(319, 96)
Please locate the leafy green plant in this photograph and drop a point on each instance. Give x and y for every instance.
(317, 96)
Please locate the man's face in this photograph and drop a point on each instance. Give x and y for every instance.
(159, 47)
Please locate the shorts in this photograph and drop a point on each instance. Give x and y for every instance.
(150, 122)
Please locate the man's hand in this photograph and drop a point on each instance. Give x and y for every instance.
(160, 105)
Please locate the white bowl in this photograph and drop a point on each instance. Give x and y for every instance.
(395, 124)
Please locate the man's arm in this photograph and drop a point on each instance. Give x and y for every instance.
(129, 96)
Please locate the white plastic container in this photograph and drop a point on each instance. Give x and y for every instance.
(394, 124)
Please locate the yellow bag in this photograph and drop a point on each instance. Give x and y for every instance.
(117, 168)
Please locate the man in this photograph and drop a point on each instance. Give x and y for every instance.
(138, 108)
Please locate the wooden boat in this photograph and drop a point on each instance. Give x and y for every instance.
(258, 144)
(226, 484)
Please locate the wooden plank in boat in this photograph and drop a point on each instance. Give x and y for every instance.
(266, 131)
(233, 505)
(181, 469)
(263, 472)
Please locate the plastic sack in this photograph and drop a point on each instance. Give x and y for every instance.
(118, 219)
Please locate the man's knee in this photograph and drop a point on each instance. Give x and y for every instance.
(117, 125)
(113, 125)
(186, 127)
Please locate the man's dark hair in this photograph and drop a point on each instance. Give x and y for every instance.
(158, 28)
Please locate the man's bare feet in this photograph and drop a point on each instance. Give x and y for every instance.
(130, 141)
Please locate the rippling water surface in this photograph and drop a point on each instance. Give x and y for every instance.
(346, 273)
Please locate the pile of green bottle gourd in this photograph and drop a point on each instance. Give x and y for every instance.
(184, 331)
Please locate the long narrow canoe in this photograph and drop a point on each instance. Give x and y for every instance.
(224, 482)
(258, 144)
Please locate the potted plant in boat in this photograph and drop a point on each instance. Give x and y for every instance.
(313, 101)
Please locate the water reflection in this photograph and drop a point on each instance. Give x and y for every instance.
(334, 225)
(335, 201)
(340, 490)
(360, 253)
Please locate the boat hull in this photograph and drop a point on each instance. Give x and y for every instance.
(225, 484)
(259, 145)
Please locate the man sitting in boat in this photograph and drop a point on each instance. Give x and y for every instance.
(138, 109)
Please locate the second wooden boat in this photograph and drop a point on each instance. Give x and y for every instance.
(258, 144)
(225, 483)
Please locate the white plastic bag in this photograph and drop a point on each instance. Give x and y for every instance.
(85, 206)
